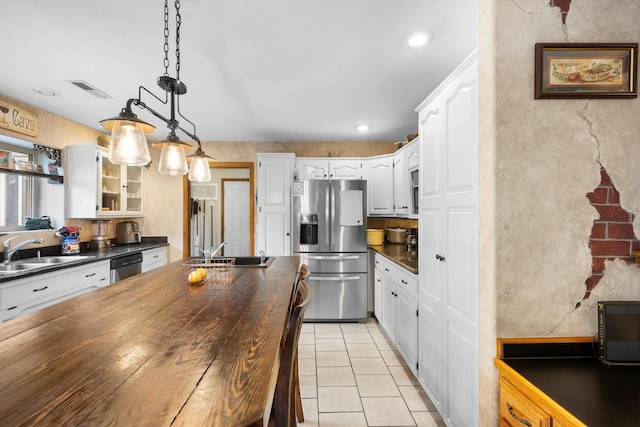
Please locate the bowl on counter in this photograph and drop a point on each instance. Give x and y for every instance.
(375, 236)
(397, 235)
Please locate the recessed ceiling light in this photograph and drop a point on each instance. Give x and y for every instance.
(362, 128)
(420, 38)
(45, 92)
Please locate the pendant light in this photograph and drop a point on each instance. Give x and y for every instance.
(199, 169)
(128, 141)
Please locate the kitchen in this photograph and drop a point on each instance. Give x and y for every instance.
(524, 172)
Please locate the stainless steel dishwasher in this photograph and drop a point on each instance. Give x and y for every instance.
(126, 266)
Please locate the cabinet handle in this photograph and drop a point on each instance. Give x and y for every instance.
(40, 289)
(513, 414)
(90, 275)
(386, 269)
(403, 281)
(440, 257)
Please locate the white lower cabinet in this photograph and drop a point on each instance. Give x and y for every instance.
(23, 296)
(396, 307)
(154, 258)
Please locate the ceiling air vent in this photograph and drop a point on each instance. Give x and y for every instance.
(90, 89)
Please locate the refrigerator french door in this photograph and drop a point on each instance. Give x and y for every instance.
(330, 235)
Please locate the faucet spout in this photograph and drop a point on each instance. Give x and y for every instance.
(10, 251)
(262, 258)
(218, 249)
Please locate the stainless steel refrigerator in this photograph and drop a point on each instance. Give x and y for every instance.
(330, 235)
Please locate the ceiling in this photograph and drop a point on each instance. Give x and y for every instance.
(256, 70)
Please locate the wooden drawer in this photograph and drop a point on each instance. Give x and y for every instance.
(516, 410)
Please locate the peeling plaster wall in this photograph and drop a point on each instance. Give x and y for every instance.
(548, 158)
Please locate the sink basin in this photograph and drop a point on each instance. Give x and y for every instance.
(251, 261)
(15, 268)
(54, 259)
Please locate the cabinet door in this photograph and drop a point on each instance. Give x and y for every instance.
(134, 190)
(274, 204)
(311, 169)
(110, 185)
(407, 328)
(389, 306)
(380, 186)
(413, 154)
(400, 186)
(430, 129)
(345, 169)
(82, 181)
(377, 297)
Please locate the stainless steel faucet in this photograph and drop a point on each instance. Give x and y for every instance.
(9, 251)
(213, 253)
(262, 257)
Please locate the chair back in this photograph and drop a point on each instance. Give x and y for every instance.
(283, 401)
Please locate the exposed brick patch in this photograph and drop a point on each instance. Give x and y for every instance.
(612, 235)
(564, 8)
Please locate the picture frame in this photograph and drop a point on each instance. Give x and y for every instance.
(26, 166)
(53, 169)
(5, 160)
(586, 70)
(39, 169)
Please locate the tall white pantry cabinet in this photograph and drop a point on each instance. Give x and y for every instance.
(449, 246)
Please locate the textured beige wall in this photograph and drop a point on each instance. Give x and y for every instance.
(549, 154)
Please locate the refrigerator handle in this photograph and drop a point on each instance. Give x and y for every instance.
(333, 278)
(331, 258)
(327, 214)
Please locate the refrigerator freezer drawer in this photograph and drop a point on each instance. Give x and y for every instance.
(335, 262)
(337, 297)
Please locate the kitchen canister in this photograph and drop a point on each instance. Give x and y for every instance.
(375, 236)
(70, 245)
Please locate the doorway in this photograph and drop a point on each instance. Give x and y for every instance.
(212, 206)
(235, 216)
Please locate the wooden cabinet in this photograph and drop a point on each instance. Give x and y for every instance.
(449, 246)
(22, 296)
(327, 168)
(396, 307)
(520, 403)
(97, 188)
(154, 258)
(380, 185)
(273, 228)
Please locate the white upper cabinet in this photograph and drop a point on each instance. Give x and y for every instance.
(413, 154)
(401, 189)
(97, 188)
(327, 168)
(380, 185)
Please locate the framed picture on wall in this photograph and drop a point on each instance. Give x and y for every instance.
(586, 70)
(26, 166)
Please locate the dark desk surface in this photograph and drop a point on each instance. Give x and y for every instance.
(598, 395)
(149, 350)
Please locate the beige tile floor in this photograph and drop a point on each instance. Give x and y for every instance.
(351, 375)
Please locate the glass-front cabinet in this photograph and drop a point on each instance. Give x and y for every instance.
(98, 188)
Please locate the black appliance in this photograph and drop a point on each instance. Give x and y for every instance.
(619, 332)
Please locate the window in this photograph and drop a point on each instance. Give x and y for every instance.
(25, 195)
(18, 194)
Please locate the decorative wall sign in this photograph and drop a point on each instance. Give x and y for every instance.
(5, 160)
(586, 70)
(18, 119)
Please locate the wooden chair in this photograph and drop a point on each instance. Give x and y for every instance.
(287, 395)
(303, 274)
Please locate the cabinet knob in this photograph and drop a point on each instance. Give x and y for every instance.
(440, 257)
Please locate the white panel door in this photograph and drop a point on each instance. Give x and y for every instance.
(380, 186)
(275, 177)
(236, 217)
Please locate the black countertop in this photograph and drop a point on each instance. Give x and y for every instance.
(94, 255)
(599, 395)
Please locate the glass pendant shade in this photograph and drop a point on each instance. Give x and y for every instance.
(199, 170)
(128, 144)
(173, 160)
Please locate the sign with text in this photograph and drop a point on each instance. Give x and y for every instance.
(18, 119)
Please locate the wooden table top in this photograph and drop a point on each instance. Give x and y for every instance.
(149, 351)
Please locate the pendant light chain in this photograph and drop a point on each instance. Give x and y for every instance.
(166, 38)
(178, 23)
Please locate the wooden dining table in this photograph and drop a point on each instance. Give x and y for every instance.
(150, 350)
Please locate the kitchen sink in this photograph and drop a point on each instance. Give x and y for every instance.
(28, 264)
(54, 259)
(15, 268)
(249, 261)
